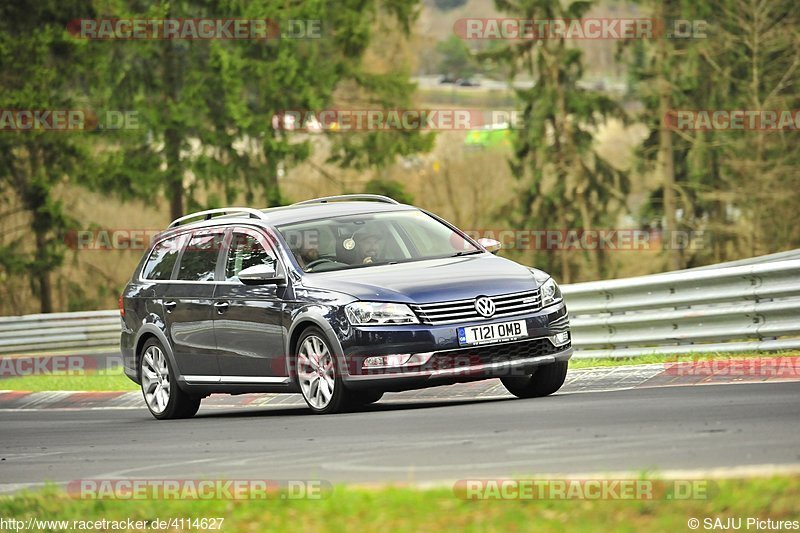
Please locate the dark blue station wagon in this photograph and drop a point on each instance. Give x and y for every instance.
(341, 299)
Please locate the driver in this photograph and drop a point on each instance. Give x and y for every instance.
(369, 245)
(307, 253)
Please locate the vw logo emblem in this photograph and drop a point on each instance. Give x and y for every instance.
(484, 306)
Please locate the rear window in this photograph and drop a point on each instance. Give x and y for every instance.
(199, 260)
(162, 259)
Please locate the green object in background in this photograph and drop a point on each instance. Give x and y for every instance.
(487, 138)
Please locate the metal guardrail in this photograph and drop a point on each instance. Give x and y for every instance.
(59, 332)
(754, 306)
(730, 309)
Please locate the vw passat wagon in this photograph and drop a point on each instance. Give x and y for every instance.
(341, 299)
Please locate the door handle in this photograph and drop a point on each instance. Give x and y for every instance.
(221, 307)
(170, 306)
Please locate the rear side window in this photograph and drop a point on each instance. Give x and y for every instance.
(246, 251)
(162, 259)
(199, 260)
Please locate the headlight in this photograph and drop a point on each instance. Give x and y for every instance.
(378, 313)
(550, 292)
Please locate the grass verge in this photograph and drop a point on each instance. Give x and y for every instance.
(408, 509)
(111, 380)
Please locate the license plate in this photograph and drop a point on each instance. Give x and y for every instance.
(491, 333)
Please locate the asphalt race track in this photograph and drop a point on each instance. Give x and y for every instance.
(677, 427)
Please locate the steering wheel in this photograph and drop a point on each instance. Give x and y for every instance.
(319, 261)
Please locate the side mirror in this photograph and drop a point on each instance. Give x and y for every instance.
(491, 245)
(260, 275)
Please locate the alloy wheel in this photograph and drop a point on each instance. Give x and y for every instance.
(155, 379)
(315, 372)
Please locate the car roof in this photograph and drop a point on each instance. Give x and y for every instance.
(290, 214)
(300, 213)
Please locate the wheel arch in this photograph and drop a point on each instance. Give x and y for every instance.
(151, 331)
(302, 322)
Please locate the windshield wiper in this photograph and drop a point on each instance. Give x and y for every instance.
(472, 252)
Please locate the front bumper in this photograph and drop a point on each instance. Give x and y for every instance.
(445, 361)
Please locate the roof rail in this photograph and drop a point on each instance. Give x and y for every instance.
(209, 213)
(350, 197)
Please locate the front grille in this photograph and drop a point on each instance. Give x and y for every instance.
(464, 310)
(495, 353)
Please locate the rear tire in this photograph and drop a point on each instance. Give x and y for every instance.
(164, 399)
(545, 381)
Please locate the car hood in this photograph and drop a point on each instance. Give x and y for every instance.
(434, 280)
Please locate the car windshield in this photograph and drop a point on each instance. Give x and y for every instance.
(352, 241)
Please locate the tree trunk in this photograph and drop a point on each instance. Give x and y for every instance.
(666, 166)
(172, 135)
(42, 275)
(35, 197)
(273, 191)
(666, 162)
(172, 147)
(566, 274)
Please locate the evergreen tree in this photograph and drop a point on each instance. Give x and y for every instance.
(565, 184)
(41, 68)
(208, 106)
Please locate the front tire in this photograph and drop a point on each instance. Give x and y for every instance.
(545, 381)
(318, 376)
(164, 399)
(361, 398)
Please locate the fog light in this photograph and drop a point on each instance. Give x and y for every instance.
(386, 360)
(560, 339)
(391, 361)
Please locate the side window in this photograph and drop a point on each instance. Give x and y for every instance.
(199, 260)
(246, 251)
(162, 259)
